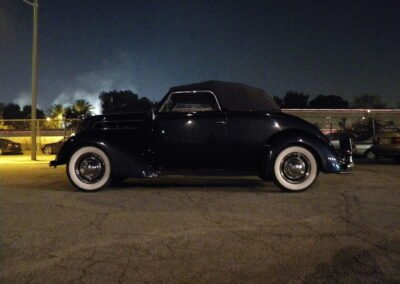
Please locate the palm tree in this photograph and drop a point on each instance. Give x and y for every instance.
(56, 111)
(79, 109)
(82, 107)
(56, 115)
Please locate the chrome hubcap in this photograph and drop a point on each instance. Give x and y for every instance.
(295, 168)
(90, 168)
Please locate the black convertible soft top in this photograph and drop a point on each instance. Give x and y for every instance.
(234, 96)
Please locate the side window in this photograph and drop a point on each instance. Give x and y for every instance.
(191, 102)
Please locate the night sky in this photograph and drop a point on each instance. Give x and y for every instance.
(345, 48)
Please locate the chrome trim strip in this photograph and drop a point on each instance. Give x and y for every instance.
(113, 121)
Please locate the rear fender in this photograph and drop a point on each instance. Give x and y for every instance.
(136, 163)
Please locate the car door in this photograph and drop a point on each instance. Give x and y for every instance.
(246, 136)
(190, 131)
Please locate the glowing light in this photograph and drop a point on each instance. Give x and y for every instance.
(48, 118)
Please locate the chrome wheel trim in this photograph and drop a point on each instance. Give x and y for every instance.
(295, 168)
(299, 181)
(90, 168)
(96, 182)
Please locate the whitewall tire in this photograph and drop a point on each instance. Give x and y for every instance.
(295, 169)
(89, 169)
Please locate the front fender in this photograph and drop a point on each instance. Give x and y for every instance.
(322, 150)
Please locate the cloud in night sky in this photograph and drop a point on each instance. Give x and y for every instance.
(23, 99)
(337, 47)
(88, 85)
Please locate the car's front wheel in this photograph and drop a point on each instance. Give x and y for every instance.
(295, 169)
(89, 169)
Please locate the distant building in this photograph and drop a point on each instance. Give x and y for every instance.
(331, 120)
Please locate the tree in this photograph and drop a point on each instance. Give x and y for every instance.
(342, 123)
(82, 107)
(368, 101)
(295, 100)
(123, 101)
(278, 101)
(12, 111)
(79, 108)
(330, 101)
(27, 112)
(366, 126)
(56, 111)
(1, 110)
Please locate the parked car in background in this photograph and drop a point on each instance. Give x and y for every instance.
(9, 147)
(360, 143)
(52, 148)
(386, 144)
(204, 126)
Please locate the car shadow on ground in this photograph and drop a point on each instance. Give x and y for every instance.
(198, 183)
(383, 161)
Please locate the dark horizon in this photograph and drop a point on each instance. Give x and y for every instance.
(346, 48)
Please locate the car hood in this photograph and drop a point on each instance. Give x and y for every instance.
(91, 121)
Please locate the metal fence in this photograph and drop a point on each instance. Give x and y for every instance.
(328, 120)
(48, 130)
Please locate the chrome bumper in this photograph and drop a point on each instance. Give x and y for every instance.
(53, 164)
(346, 155)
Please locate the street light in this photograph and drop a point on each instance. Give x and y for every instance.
(35, 5)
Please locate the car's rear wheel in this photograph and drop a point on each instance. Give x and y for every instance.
(89, 169)
(47, 150)
(295, 169)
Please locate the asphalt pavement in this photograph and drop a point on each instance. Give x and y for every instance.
(346, 229)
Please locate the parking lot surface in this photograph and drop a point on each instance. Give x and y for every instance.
(345, 229)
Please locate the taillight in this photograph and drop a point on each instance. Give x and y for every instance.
(395, 140)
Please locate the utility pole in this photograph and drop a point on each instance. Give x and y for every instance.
(35, 5)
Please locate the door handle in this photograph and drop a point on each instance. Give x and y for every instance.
(221, 122)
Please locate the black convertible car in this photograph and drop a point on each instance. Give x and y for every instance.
(210, 126)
